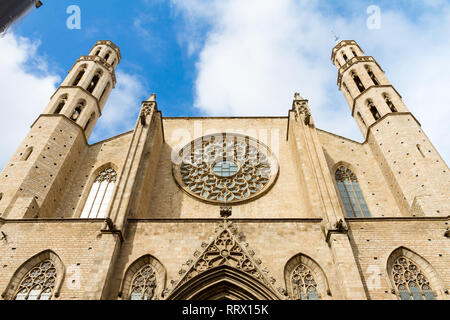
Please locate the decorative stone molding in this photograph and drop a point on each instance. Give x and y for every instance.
(301, 109)
(224, 250)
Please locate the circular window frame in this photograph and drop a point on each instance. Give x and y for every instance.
(271, 159)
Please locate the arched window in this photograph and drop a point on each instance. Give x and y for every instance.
(351, 194)
(98, 52)
(345, 57)
(79, 76)
(361, 119)
(143, 285)
(305, 279)
(410, 281)
(358, 82)
(61, 104)
(373, 110)
(372, 76)
(94, 81)
(77, 111)
(303, 284)
(38, 283)
(107, 56)
(26, 155)
(100, 195)
(144, 279)
(389, 102)
(354, 52)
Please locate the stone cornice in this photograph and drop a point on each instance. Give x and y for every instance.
(367, 90)
(85, 91)
(380, 219)
(52, 220)
(342, 44)
(110, 44)
(67, 119)
(101, 61)
(215, 220)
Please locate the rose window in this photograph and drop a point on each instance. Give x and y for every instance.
(226, 168)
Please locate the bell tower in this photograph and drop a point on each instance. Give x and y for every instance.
(414, 170)
(84, 91)
(38, 173)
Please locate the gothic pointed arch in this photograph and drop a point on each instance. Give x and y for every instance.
(223, 283)
(348, 187)
(225, 265)
(305, 279)
(97, 198)
(412, 277)
(144, 279)
(41, 276)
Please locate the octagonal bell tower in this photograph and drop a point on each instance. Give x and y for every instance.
(37, 174)
(416, 173)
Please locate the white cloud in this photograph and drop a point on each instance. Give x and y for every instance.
(24, 93)
(256, 54)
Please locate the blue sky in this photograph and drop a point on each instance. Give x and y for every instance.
(228, 57)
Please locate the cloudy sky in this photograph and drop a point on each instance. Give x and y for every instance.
(229, 57)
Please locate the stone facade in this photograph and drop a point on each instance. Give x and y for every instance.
(297, 239)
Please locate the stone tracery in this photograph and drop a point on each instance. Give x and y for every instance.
(250, 168)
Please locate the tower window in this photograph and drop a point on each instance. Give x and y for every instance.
(77, 111)
(345, 57)
(60, 105)
(79, 76)
(108, 54)
(94, 81)
(354, 53)
(358, 82)
(351, 194)
(26, 155)
(100, 195)
(373, 110)
(389, 103)
(372, 76)
(98, 52)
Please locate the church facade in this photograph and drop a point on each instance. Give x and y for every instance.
(225, 208)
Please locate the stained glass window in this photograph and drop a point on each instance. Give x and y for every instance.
(100, 195)
(38, 283)
(411, 283)
(351, 194)
(303, 283)
(225, 169)
(143, 284)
